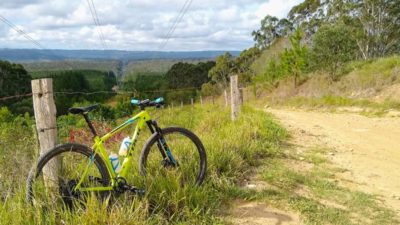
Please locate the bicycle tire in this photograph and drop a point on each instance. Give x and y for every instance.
(170, 130)
(56, 151)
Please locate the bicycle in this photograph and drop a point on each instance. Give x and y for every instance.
(83, 170)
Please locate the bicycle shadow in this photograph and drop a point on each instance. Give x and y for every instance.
(259, 213)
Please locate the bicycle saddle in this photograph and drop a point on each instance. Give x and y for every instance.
(82, 110)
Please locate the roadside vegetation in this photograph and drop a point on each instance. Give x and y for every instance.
(312, 191)
(321, 49)
(229, 158)
(323, 54)
(369, 88)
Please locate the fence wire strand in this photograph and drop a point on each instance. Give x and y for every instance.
(98, 92)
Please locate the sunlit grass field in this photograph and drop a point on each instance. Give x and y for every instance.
(232, 149)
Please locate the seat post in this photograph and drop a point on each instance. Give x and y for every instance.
(89, 124)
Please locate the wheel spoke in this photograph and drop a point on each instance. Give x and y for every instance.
(186, 152)
(75, 165)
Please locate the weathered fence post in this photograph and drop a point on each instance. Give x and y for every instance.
(234, 97)
(191, 101)
(45, 117)
(181, 104)
(241, 96)
(201, 100)
(37, 146)
(226, 98)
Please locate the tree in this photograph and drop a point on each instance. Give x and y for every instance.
(222, 69)
(308, 16)
(294, 60)
(273, 71)
(187, 75)
(69, 82)
(199, 74)
(374, 24)
(380, 27)
(242, 64)
(14, 80)
(332, 48)
(210, 90)
(271, 29)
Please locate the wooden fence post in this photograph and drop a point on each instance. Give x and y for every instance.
(181, 104)
(226, 98)
(37, 147)
(241, 96)
(234, 97)
(191, 101)
(201, 100)
(45, 117)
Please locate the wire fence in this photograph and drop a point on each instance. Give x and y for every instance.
(100, 92)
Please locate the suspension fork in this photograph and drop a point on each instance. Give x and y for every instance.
(161, 143)
(152, 124)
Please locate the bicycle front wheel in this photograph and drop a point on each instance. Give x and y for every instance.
(186, 150)
(51, 184)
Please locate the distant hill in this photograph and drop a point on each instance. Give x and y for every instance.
(119, 67)
(57, 54)
(160, 66)
(46, 65)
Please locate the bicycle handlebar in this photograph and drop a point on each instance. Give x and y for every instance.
(147, 103)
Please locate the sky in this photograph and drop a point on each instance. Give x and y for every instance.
(140, 25)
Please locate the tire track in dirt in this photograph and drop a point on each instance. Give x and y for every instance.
(367, 148)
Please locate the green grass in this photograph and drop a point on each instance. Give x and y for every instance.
(232, 148)
(318, 198)
(370, 72)
(360, 82)
(259, 66)
(332, 102)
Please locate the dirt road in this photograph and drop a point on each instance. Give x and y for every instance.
(367, 148)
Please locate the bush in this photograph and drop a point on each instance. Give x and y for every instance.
(333, 47)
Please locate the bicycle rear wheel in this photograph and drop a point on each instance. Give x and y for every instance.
(54, 189)
(186, 149)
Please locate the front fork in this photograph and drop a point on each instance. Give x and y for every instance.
(161, 143)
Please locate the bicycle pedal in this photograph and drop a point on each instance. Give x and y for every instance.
(137, 191)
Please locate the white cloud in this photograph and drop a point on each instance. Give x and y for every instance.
(138, 24)
(276, 8)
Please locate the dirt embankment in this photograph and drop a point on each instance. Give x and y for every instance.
(367, 148)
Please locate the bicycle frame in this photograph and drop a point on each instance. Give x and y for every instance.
(142, 119)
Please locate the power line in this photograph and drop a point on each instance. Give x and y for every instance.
(96, 21)
(20, 31)
(172, 29)
(175, 20)
(28, 37)
(98, 24)
(178, 19)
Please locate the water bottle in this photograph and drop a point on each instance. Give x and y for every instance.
(115, 162)
(123, 149)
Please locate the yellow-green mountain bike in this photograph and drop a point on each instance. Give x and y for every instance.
(69, 172)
